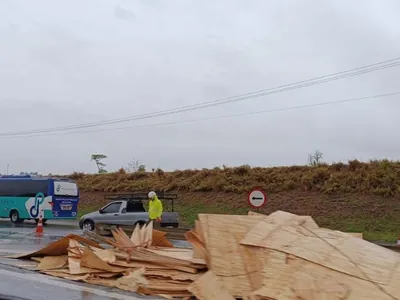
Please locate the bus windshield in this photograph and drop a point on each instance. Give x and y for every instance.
(64, 188)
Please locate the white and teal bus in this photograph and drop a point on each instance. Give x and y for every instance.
(25, 197)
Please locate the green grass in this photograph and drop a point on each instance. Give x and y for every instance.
(188, 214)
(373, 229)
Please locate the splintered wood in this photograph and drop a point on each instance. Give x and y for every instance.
(281, 256)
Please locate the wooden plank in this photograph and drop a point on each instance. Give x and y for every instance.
(171, 233)
(236, 266)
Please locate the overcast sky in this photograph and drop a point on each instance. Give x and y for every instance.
(78, 61)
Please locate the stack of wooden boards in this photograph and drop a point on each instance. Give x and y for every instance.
(284, 256)
(146, 262)
(281, 256)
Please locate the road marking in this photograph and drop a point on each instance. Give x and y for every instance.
(44, 279)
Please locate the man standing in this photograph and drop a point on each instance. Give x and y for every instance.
(155, 207)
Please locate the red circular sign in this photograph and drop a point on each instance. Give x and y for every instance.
(257, 198)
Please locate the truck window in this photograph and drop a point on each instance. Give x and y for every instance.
(112, 208)
(135, 206)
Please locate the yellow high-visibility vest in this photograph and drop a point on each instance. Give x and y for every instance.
(155, 208)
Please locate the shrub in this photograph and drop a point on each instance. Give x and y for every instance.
(376, 177)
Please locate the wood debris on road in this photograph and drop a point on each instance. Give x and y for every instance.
(280, 256)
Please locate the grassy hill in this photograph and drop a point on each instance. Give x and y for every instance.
(354, 196)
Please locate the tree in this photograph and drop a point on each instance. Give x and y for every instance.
(315, 159)
(98, 159)
(135, 166)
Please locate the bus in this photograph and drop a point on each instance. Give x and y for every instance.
(24, 197)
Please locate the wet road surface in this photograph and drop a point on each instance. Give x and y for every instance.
(24, 284)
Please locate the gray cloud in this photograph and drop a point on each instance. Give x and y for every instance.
(122, 13)
(74, 62)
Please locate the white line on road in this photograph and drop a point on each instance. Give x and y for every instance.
(44, 279)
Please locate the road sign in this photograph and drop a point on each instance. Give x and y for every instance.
(257, 198)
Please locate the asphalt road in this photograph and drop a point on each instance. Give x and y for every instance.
(18, 283)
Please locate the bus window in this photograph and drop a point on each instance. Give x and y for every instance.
(8, 188)
(23, 188)
(31, 188)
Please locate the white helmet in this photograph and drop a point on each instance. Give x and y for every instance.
(151, 195)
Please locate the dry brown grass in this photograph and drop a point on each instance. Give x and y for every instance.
(377, 177)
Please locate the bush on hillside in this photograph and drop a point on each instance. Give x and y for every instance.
(377, 177)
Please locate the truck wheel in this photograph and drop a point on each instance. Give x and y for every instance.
(88, 225)
(14, 217)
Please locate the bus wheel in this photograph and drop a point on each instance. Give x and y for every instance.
(14, 217)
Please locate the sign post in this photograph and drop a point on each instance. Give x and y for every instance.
(257, 198)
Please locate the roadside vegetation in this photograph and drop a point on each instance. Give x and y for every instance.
(352, 196)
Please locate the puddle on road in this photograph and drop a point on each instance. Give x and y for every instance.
(26, 238)
(11, 225)
(4, 234)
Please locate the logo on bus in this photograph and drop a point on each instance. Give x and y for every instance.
(58, 188)
(34, 210)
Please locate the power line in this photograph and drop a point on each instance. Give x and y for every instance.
(210, 118)
(288, 87)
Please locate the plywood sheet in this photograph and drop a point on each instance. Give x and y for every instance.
(75, 251)
(332, 249)
(141, 255)
(59, 247)
(287, 277)
(139, 264)
(67, 276)
(178, 253)
(209, 287)
(107, 255)
(52, 262)
(92, 261)
(356, 234)
(237, 266)
(198, 238)
(280, 217)
(131, 281)
(172, 274)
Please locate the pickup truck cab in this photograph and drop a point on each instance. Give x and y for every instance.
(129, 211)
